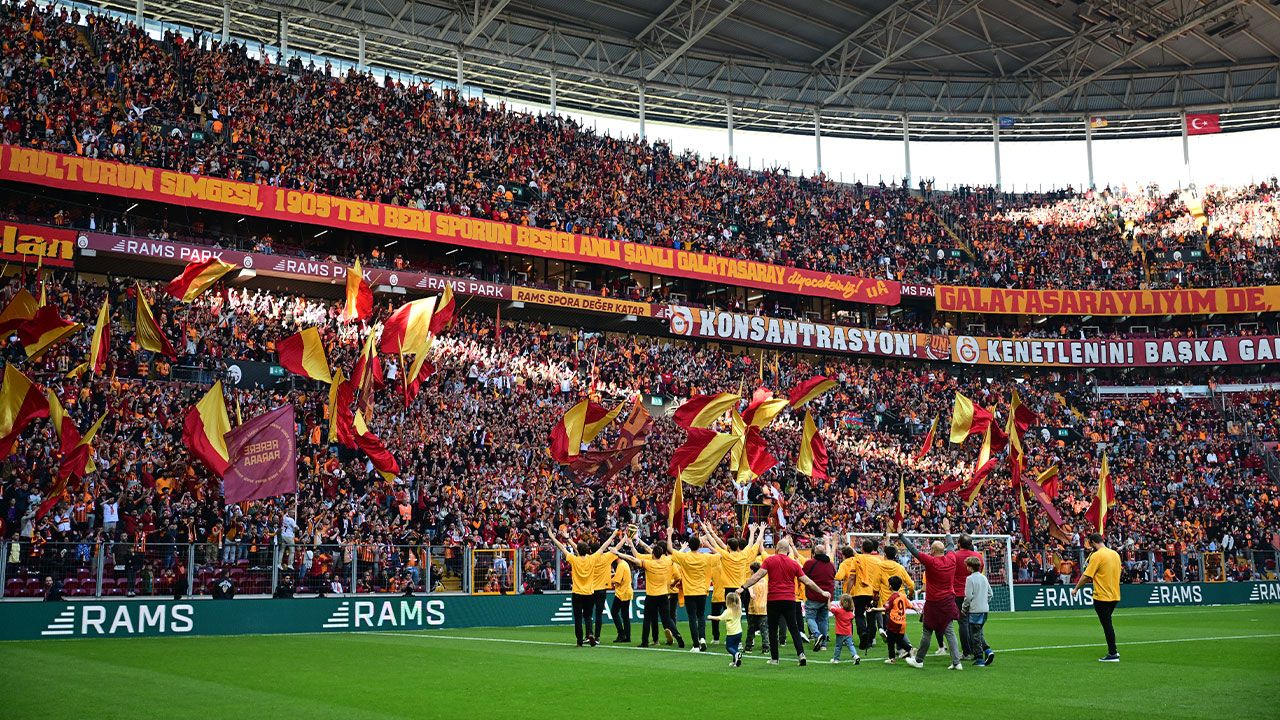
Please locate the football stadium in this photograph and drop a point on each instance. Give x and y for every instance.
(403, 358)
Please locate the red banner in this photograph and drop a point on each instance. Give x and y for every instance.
(327, 272)
(29, 243)
(1154, 352)
(1112, 303)
(71, 172)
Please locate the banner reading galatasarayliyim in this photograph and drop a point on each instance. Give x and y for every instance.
(1150, 352)
(71, 172)
(708, 324)
(1003, 301)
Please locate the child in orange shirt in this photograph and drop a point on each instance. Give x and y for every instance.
(895, 622)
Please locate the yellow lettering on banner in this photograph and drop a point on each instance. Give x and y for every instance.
(398, 218)
(34, 162)
(213, 190)
(546, 240)
(648, 255)
(474, 229)
(594, 247)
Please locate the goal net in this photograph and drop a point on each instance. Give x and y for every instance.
(997, 561)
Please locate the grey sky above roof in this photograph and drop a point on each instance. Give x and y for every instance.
(951, 65)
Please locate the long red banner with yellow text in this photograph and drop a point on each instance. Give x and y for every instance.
(72, 172)
(37, 244)
(1003, 301)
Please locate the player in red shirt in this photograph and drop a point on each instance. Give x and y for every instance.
(780, 605)
(939, 601)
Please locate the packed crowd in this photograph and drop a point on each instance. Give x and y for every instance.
(96, 86)
(472, 447)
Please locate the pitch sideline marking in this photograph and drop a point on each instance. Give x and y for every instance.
(722, 654)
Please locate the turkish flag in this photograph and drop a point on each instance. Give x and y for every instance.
(1205, 124)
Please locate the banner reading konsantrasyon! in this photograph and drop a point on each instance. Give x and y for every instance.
(1146, 352)
(70, 172)
(719, 325)
(1114, 303)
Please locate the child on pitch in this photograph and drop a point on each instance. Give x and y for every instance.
(757, 612)
(843, 612)
(977, 603)
(732, 619)
(895, 622)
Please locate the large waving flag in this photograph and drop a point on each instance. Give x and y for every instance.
(928, 440)
(968, 419)
(756, 453)
(196, 277)
(1103, 499)
(900, 509)
(263, 458)
(77, 450)
(19, 310)
(809, 389)
(1049, 481)
(20, 403)
(99, 346)
(694, 461)
(359, 297)
(702, 410)
(383, 461)
(334, 387)
(762, 412)
(445, 309)
(303, 354)
(418, 372)
(204, 430)
(813, 451)
(579, 425)
(44, 330)
(408, 327)
(675, 509)
(148, 332)
(986, 463)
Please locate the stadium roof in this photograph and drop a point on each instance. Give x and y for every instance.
(952, 66)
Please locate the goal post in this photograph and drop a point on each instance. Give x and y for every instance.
(997, 561)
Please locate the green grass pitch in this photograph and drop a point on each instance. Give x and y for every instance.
(1176, 663)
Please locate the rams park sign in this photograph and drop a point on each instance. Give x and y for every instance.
(92, 618)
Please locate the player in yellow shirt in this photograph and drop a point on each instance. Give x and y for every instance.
(697, 569)
(891, 568)
(860, 577)
(658, 570)
(621, 607)
(582, 565)
(601, 579)
(736, 554)
(1103, 571)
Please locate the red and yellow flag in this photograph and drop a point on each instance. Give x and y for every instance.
(19, 310)
(694, 461)
(45, 329)
(968, 419)
(204, 430)
(813, 451)
(900, 510)
(445, 309)
(1049, 481)
(408, 327)
(762, 412)
(986, 463)
(418, 371)
(147, 330)
(196, 277)
(303, 354)
(927, 445)
(359, 303)
(579, 425)
(702, 410)
(1103, 499)
(77, 450)
(20, 403)
(810, 389)
(334, 386)
(383, 461)
(99, 346)
(675, 510)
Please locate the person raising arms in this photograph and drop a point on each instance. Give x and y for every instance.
(783, 572)
(621, 607)
(860, 575)
(939, 602)
(736, 557)
(582, 565)
(697, 569)
(891, 568)
(658, 569)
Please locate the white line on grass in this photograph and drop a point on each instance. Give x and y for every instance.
(723, 655)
